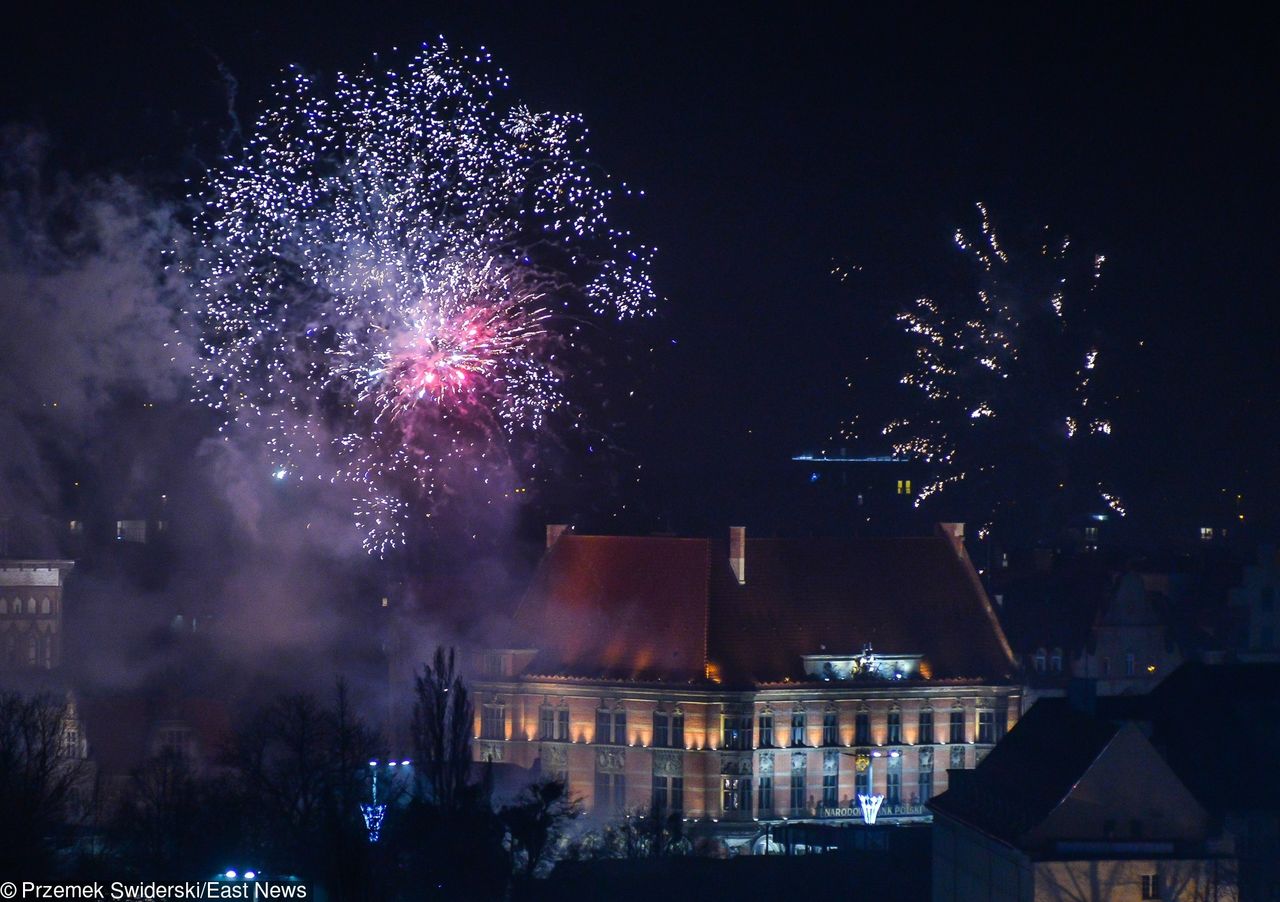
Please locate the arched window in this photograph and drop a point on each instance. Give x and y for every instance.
(31, 605)
(1040, 660)
(44, 605)
(4, 606)
(32, 643)
(1055, 661)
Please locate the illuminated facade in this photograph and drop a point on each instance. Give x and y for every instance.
(753, 681)
(31, 613)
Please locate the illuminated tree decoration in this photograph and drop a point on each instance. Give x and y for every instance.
(391, 276)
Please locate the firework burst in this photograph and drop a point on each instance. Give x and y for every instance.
(1003, 382)
(387, 278)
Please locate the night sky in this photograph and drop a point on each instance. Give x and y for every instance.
(771, 142)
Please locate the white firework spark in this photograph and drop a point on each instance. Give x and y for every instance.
(387, 275)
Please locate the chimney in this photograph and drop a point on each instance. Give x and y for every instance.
(738, 552)
(554, 531)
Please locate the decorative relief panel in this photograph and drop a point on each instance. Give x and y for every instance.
(766, 764)
(735, 765)
(612, 761)
(491, 751)
(668, 764)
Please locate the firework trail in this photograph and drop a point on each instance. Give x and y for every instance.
(1004, 383)
(388, 276)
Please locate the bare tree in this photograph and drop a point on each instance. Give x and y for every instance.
(41, 775)
(442, 726)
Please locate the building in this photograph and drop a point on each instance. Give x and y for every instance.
(1073, 806)
(1253, 604)
(1131, 647)
(753, 682)
(31, 613)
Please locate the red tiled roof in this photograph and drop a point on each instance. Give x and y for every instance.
(637, 607)
(619, 606)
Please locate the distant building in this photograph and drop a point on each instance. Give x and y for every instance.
(31, 613)
(1254, 605)
(1070, 806)
(1131, 646)
(750, 683)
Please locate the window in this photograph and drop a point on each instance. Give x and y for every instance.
(677, 729)
(766, 730)
(862, 728)
(1106, 667)
(830, 728)
(1091, 534)
(611, 793)
(797, 790)
(926, 727)
(1055, 662)
(986, 726)
(1040, 661)
(553, 723)
(797, 727)
(893, 782)
(611, 726)
(70, 746)
(957, 757)
(831, 790)
(766, 794)
(895, 727)
(493, 721)
(661, 730)
(44, 605)
(1002, 718)
(1129, 662)
(904, 486)
(668, 795)
(735, 731)
(862, 782)
(957, 726)
(735, 794)
(1206, 535)
(131, 530)
(1151, 886)
(926, 775)
(76, 527)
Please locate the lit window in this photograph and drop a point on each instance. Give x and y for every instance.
(735, 794)
(76, 527)
(735, 731)
(904, 486)
(1206, 533)
(1091, 534)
